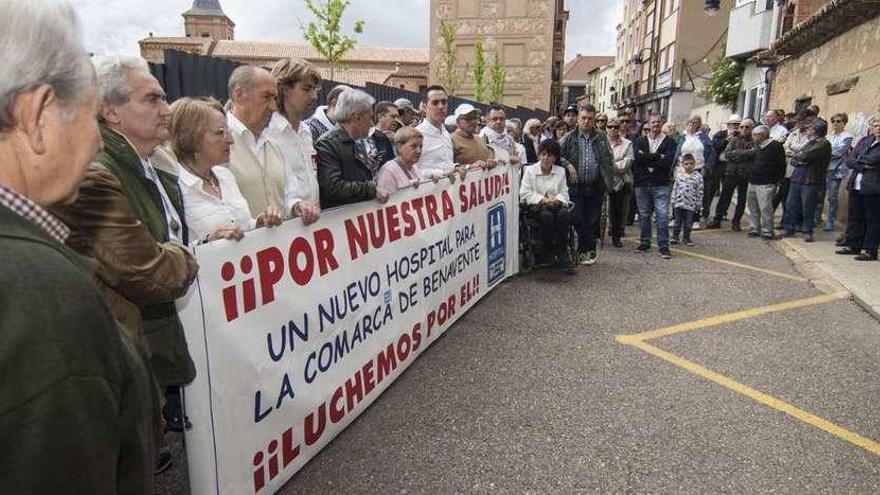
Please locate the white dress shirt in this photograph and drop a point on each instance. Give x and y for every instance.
(437, 156)
(537, 185)
(300, 161)
(693, 146)
(172, 218)
(257, 164)
(204, 212)
(778, 132)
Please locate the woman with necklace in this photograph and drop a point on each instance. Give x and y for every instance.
(402, 171)
(213, 204)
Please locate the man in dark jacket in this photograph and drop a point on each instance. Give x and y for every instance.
(810, 164)
(714, 175)
(590, 170)
(768, 169)
(76, 412)
(382, 150)
(738, 157)
(652, 170)
(863, 223)
(345, 173)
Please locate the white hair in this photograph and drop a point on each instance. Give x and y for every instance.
(41, 43)
(113, 77)
(351, 103)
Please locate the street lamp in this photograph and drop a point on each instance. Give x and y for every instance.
(712, 7)
(637, 58)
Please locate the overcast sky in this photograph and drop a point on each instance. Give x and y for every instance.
(114, 26)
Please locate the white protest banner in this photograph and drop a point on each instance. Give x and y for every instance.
(296, 330)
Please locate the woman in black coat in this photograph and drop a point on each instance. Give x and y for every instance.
(863, 225)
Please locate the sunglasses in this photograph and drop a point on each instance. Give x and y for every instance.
(614, 127)
(837, 122)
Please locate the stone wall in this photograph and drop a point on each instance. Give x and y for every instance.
(520, 31)
(852, 54)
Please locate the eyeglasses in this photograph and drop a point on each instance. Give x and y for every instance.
(837, 122)
(614, 126)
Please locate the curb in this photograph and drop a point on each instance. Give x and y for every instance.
(819, 275)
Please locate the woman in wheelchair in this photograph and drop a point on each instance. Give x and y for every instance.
(544, 196)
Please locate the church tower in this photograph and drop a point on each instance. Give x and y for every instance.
(206, 20)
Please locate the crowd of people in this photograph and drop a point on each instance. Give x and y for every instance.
(667, 178)
(105, 187)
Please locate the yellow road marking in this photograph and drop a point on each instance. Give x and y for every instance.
(772, 402)
(727, 262)
(739, 265)
(731, 317)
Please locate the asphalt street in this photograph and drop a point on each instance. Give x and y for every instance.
(534, 390)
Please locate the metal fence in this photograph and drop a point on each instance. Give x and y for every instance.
(185, 74)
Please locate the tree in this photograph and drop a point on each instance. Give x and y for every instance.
(324, 35)
(449, 75)
(496, 89)
(479, 72)
(724, 84)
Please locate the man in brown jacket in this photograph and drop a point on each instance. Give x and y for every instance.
(129, 218)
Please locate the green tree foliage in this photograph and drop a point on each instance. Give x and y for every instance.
(479, 72)
(496, 88)
(724, 84)
(449, 75)
(324, 33)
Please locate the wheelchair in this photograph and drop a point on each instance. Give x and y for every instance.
(532, 253)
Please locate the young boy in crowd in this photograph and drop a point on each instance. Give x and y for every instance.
(687, 196)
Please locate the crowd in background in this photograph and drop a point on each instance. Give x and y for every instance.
(99, 214)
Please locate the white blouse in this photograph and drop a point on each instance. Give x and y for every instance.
(204, 212)
(536, 184)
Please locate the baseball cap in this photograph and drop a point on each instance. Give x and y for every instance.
(404, 104)
(465, 109)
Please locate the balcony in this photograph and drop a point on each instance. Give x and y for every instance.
(749, 28)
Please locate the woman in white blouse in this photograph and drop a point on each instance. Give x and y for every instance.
(622, 181)
(544, 191)
(214, 206)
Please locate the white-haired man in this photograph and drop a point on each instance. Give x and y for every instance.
(345, 173)
(75, 397)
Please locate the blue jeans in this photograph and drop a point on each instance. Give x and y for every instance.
(684, 220)
(831, 193)
(803, 199)
(653, 200)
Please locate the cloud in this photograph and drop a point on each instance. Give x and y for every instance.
(115, 26)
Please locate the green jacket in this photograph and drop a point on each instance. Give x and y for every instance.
(75, 395)
(171, 360)
(571, 151)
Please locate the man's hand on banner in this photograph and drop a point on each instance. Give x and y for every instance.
(271, 217)
(308, 211)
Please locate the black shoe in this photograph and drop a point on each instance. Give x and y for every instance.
(163, 461)
(808, 237)
(754, 234)
(688, 243)
(616, 243)
(673, 241)
(713, 225)
(840, 241)
(735, 227)
(768, 237)
(643, 248)
(665, 254)
(173, 415)
(866, 257)
(848, 251)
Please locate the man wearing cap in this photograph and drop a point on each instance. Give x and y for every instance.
(438, 159)
(808, 177)
(467, 147)
(408, 113)
(738, 157)
(570, 116)
(714, 174)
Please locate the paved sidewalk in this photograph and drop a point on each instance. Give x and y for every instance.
(861, 279)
